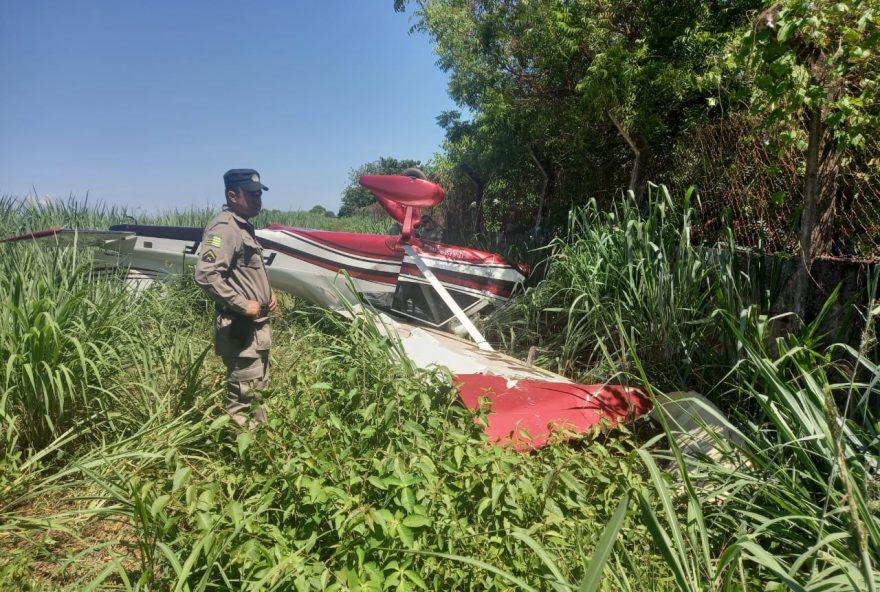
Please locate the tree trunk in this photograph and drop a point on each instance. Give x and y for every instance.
(480, 184)
(638, 175)
(820, 189)
(547, 187)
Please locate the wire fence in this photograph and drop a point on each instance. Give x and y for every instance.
(752, 188)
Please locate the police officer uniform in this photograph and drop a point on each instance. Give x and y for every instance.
(232, 272)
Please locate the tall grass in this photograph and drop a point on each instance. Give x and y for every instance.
(370, 475)
(59, 332)
(800, 508)
(629, 263)
(792, 504)
(319, 221)
(22, 215)
(365, 462)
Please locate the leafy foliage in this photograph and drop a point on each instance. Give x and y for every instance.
(618, 275)
(566, 96)
(815, 55)
(570, 101)
(322, 211)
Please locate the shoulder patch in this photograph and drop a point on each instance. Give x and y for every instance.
(214, 240)
(209, 256)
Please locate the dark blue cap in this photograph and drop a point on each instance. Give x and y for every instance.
(247, 179)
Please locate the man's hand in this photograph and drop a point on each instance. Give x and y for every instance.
(273, 303)
(252, 310)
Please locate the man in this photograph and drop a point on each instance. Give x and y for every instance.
(232, 272)
(430, 230)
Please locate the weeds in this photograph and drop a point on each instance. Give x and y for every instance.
(121, 472)
(627, 263)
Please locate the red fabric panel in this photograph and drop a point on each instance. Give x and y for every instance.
(525, 414)
(457, 254)
(377, 246)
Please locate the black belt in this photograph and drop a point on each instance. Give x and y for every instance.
(264, 311)
(242, 328)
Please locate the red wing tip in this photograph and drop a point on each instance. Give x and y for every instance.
(33, 235)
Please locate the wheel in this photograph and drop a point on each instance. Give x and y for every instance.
(414, 173)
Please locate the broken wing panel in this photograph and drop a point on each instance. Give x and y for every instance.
(526, 404)
(525, 413)
(141, 259)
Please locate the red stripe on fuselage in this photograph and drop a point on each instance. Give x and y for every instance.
(367, 247)
(379, 249)
(381, 277)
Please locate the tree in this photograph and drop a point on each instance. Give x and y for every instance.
(355, 196)
(572, 89)
(485, 165)
(815, 71)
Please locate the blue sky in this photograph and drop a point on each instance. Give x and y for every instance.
(147, 104)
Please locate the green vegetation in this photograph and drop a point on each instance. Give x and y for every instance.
(20, 216)
(769, 107)
(621, 269)
(794, 500)
(120, 470)
(143, 484)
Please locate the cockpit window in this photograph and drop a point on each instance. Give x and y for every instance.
(420, 301)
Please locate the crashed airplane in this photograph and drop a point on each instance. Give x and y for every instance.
(427, 294)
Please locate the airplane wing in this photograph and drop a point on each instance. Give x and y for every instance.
(527, 404)
(85, 237)
(116, 251)
(525, 413)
